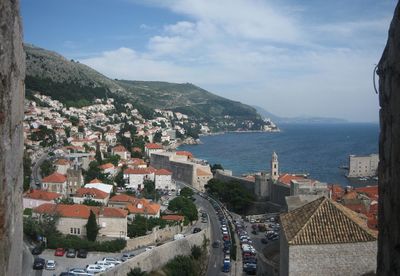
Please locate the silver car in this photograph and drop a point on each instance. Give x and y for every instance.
(50, 265)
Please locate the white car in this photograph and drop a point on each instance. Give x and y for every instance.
(104, 264)
(112, 261)
(50, 265)
(148, 248)
(93, 268)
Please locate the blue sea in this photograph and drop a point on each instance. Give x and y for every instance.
(315, 149)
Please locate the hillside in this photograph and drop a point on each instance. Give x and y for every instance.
(76, 84)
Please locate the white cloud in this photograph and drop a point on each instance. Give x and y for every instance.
(262, 54)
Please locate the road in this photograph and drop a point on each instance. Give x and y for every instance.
(36, 178)
(216, 254)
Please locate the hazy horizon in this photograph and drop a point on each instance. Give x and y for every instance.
(291, 58)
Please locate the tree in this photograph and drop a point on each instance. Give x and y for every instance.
(196, 252)
(113, 159)
(149, 190)
(91, 202)
(181, 266)
(47, 168)
(187, 192)
(98, 157)
(184, 206)
(92, 229)
(137, 271)
(157, 137)
(216, 167)
(27, 171)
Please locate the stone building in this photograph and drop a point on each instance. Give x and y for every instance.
(363, 166)
(325, 238)
(74, 180)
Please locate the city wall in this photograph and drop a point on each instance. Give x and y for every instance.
(156, 258)
(247, 184)
(158, 235)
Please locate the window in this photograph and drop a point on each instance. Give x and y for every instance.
(72, 230)
(79, 231)
(274, 166)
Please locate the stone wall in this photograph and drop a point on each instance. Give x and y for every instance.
(279, 192)
(245, 183)
(158, 235)
(12, 74)
(159, 256)
(330, 259)
(389, 153)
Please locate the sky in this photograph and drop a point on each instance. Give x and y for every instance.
(290, 57)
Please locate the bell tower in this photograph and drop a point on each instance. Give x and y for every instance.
(274, 167)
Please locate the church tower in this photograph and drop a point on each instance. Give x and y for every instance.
(274, 167)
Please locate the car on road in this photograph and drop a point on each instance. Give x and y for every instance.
(216, 244)
(196, 230)
(127, 256)
(67, 274)
(79, 271)
(112, 261)
(82, 253)
(92, 268)
(39, 263)
(71, 253)
(226, 266)
(148, 248)
(50, 265)
(59, 252)
(104, 264)
(37, 250)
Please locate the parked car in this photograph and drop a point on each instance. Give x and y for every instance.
(37, 250)
(67, 274)
(82, 253)
(50, 265)
(71, 253)
(39, 263)
(92, 268)
(59, 252)
(127, 256)
(196, 230)
(112, 261)
(216, 244)
(105, 264)
(79, 271)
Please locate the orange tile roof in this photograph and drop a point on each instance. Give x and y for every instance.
(185, 153)
(148, 170)
(173, 217)
(78, 210)
(96, 193)
(163, 172)
(119, 149)
(153, 146)
(62, 162)
(371, 191)
(106, 166)
(123, 198)
(95, 181)
(42, 195)
(148, 208)
(287, 178)
(55, 178)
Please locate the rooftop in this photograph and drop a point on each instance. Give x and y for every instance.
(55, 178)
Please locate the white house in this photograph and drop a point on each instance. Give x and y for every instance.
(62, 165)
(122, 152)
(108, 168)
(152, 148)
(95, 183)
(94, 194)
(56, 183)
(163, 180)
(134, 177)
(36, 198)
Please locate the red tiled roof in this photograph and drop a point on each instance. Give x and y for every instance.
(95, 181)
(42, 195)
(153, 146)
(123, 198)
(96, 193)
(163, 172)
(54, 178)
(173, 217)
(287, 178)
(370, 191)
(148, 208)
(62, 162)
(78, 210)
(185, 153)
(148, 170)
(106, 166)
(119, 149)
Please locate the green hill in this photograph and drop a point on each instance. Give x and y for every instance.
(76, 84)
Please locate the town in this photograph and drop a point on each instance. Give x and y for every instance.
(108, 165)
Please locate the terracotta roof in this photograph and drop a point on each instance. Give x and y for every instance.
(148, 170)
(42, 195)
(96, 193)
(185, 153)
(137, 149)
(146, 207)
(324, 221)
(106, 166)
(201, 172)
(55, 178)
(123, 198)
(287, 178)
(62, 162)
(173, 217)
(153, 146)
(119, 149)
(163, 172)
(78, 210)
(371, 191)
